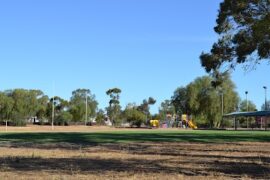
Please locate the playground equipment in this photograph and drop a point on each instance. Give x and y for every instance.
(192, 125)
(154, 123)
(185, 118)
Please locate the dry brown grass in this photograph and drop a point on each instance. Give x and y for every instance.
(161, 160)
(35, 128)
(137, 161)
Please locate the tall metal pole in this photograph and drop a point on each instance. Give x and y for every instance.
(222, 104)
(53, 108)
(265, 108)
(86, 110)
(247, 100)
(247, 105)
(265, 105)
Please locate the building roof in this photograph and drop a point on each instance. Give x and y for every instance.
(248, 114)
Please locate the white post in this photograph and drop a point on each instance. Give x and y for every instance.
(86, 106)
(53, 108)
(6, 126)
(247, 105)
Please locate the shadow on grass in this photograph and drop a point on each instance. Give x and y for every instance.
(127, 137)
(193, 160)
(71, 166)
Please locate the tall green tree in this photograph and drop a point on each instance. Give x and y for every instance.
(42, 107)
(38, 103)
(145, 106)
(78, 105)
(27, 103)
(204, 102)
(60, 106)
(244, 35)
(22, 104)
(114, 109)
(180, 101)
(6, 106)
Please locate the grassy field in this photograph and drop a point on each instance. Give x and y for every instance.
(120, 136)
(107, 153)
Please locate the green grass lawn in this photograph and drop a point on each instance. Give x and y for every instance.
(137, 136)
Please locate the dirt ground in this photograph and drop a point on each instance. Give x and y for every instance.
(34, 128)
(182, 160)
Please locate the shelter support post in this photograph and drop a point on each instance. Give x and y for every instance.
(235, 124)
(261, 123)
(265, 123)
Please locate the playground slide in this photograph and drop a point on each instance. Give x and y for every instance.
(192, 125)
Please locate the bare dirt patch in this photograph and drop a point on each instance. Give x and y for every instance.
(35, 128)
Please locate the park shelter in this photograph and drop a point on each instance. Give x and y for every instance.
(255, 114)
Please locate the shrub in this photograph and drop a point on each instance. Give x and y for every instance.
(135, 117)
(63, 119)
(18, 122)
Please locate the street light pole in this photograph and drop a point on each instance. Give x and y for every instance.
(265, 108)
(247, 105)
(265, 105)
(247, 99)
(222, 104)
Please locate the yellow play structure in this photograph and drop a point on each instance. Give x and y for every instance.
(154, 123)
(189, 121)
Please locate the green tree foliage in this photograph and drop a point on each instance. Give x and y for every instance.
(114, 109)
(6, 106)
(145, 106)
(42, 105)
(267, 106)
(166, 107)
(180, 101)
(204, 101)
(247, 106)
(244, 107)
(25, 103)
(63, 118)
(135, 117)
(243, 27)
(100, 117)
(156, 117)
(60, 106)
(19, 105)
(78, 105)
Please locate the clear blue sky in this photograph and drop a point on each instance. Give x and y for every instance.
(145, 47)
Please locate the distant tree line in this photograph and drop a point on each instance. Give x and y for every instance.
(205, 102)
(19, 105)
(134, 115)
